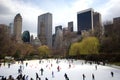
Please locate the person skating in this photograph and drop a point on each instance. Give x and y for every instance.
(41, 71)
(26, 77)
(10, 78)
(8, 65)
(93, 77)
(31, 79)
(3, 78)
(58, 68)
(83, 77)
(96, 67)
(69, 65)
(112, 74)
(37, 76)
(23, 78)
(66, 77)
(46, 78)
(26, 64)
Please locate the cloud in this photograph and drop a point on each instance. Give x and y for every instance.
(4, 10)
(110, 10)
(28, 12)
(76, 6)
(63, 11)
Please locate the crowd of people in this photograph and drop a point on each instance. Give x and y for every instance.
(38, 77)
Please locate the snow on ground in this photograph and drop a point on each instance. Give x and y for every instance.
(75, 72)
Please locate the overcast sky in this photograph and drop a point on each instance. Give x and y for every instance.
(63, 11)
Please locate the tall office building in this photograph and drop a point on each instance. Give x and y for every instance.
(97, 19)
(70, 26)
(88, 20)
(58, 42)
(116, 20)
(45, 29)
(18, 28)
(26, 36)
(57, 28)
(11, 25)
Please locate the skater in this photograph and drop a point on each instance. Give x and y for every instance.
(96, 67)
(69, 65)
(26, 64)
(46, 78)
(83, 77)
(66, 77)
(20, 67)
(10, 78)
(58, 68)
(8, 65)
(0, 64)
(19, 77)
(51, 65)
(26, 77)
(39, 61)
(19, 71)
(37, 76)
(23, 78)
(31, 79)
(52, 74)
(112, 74)
(93, 77)
(3, 78)
(41, 71)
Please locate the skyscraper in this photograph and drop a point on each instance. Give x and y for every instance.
(11, 26)
(85, 20)
(96, 19)
(88, 20)
(97, 24)
(26, 36)
(18, 28)
(45, 29)
(57, 28)
(58, 37)
(70, 26)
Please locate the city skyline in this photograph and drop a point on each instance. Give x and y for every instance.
(63, 11)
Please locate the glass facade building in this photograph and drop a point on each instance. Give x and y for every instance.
(85, 20)
(26, 36)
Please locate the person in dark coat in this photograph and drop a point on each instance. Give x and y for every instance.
(58, 68)
(112, 74)
(66, 77)
(96, 67)
(10, 78)
(83, 77)
(37, 76)
(93, 77)
(41, 71)
(3, 78)
(46, 78)
(52, 74)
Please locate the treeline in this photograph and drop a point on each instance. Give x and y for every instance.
(105, 47)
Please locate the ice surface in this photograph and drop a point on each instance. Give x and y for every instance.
(75, 72)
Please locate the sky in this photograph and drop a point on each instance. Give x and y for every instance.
(63, 11)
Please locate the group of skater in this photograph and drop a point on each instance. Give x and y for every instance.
(38, 77)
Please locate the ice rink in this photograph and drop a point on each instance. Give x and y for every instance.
(73, 68)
